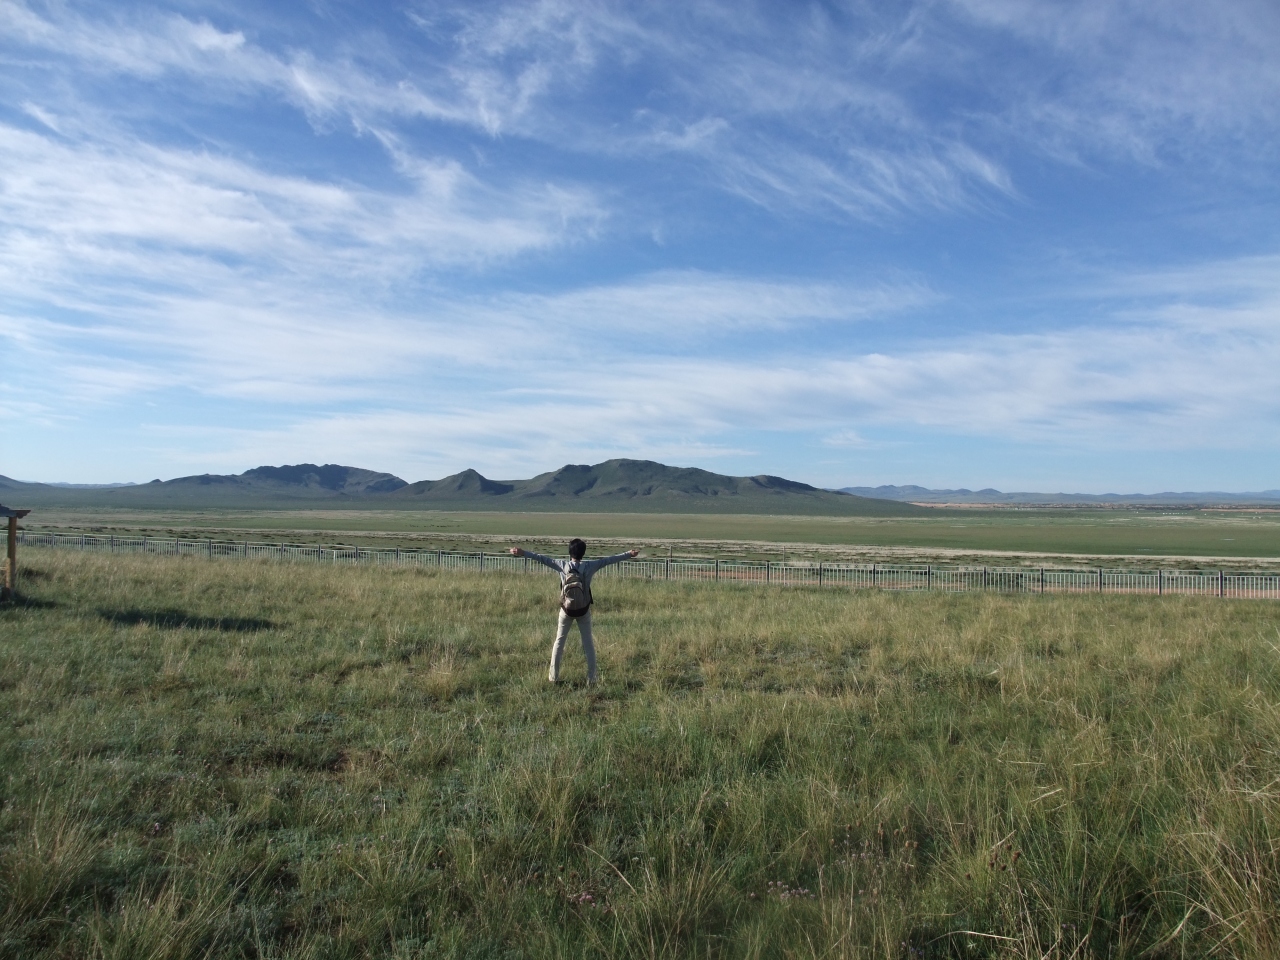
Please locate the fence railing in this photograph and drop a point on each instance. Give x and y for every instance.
(947, 578)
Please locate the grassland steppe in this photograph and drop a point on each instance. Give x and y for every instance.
(1136, 534)
(261, 759)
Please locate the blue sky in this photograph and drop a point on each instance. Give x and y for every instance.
(954, 242)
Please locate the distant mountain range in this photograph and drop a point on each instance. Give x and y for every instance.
(612, 486)
(914, 494)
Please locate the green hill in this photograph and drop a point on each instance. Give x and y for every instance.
(615, 486)
(303, 483)
(623, 486)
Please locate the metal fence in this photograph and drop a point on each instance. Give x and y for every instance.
(950, 578)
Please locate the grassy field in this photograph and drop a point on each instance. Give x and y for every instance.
(206, 758)
(1135, 533)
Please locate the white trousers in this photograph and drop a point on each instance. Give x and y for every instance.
(588, 648)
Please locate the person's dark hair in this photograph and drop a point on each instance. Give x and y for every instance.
(577, 549)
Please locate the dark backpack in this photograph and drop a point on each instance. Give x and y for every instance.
(575, 595)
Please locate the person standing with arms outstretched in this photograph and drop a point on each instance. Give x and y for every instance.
(575, 600)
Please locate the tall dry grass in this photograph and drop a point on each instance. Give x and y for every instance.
(240, 759)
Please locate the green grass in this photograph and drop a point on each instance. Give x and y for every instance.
(1190, 533)
(250, 759)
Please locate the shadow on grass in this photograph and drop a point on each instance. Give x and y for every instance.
(178, 620)
(18, 601)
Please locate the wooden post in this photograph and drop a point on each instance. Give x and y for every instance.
(668, 566)
(766, 571)
(9, 589)
(1042, 579)
(717, 568)
(1159, 583)
(1099, 579)
(11, 560)
(1222, 582)
(928, 577)
(819, 573)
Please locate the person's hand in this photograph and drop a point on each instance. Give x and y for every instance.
(516, 551)
(634, 553)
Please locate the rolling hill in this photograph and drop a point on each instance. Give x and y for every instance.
(642, 486)
(301, 482)
(621, 486)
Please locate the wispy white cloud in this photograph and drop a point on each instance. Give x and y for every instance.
(399, 305)
(767, 113)
(847, 438)
(675, 308)
(125, 192)
(1144, 80)
(1146, 382)
(1091, 391)
(130, 267)
(866, 113)
(784, 111)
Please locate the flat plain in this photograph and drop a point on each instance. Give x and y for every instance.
(1131, 533)
(264, 759)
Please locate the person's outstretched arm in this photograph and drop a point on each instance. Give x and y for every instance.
(552, 562)
(593, 565)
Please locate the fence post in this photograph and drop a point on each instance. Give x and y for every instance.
(1222, 584)
(717, 568)
(11, 559)
(667, 576)
(209, 547)
(282, 551)
(481, 561)
(1099, 579)
(928, 577)
(819, 573)
(1042, 579)
(767, 574)
(984, 578)
(1159, 583)
(113, 543)
(875, 576)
